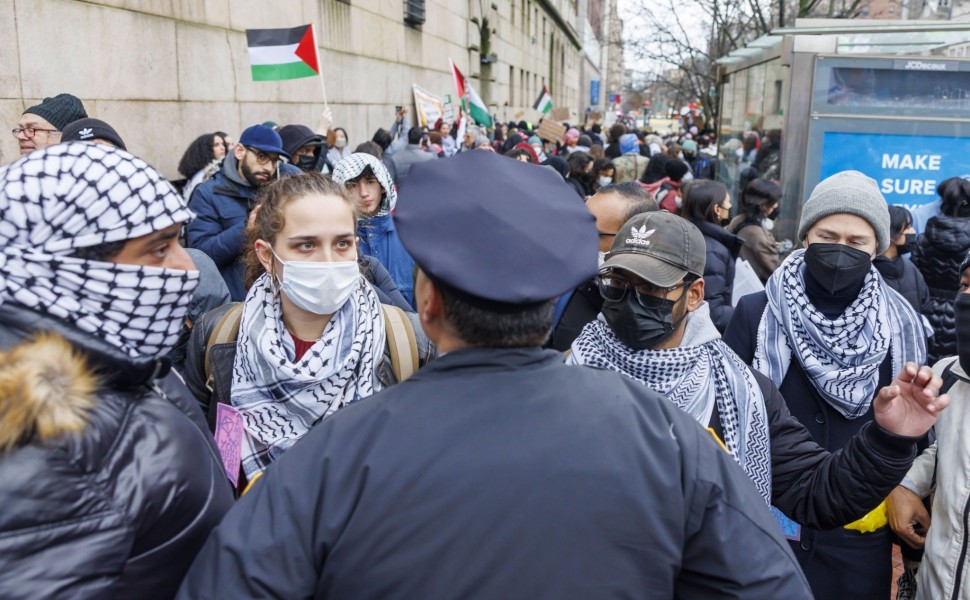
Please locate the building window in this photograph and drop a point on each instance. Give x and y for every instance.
(414, 12)
(511, 86)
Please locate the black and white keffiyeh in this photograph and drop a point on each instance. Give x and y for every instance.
(700, 375)
(280, 399)
(352, 166)
(70, 196)
(841, 356)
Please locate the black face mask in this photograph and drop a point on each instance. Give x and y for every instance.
(773, 214)
(642, 327)
(837, 267)
(910, 244)
(307, 162)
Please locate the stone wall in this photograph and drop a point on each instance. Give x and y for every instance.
(164, 71)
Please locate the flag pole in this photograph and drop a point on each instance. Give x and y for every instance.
(316, 51)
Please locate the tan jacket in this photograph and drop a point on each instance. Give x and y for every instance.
(759, 247)
(945, 467)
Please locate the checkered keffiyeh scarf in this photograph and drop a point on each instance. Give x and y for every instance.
(841, 356)
(280, 400)
(70, 196)
(352, 166)
(699, 376)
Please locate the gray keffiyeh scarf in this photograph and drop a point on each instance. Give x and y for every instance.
(841, 356)
(701, 375)
(281, 399)
(60, 199)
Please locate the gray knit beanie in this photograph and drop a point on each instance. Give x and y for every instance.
(59, 110)
(848, 192)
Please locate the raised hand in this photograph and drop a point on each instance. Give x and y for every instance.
(910, 405)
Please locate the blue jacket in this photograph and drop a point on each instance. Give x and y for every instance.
(222, 205)
(378, 238)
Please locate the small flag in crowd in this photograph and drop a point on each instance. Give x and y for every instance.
(544, 103)
(276, 54)
(470, 100)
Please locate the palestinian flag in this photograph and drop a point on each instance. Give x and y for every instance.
(276, 54)
(544, 103)
(471, 102)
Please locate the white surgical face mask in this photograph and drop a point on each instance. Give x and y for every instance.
(340, 143)
(319, 287)
(604, 181)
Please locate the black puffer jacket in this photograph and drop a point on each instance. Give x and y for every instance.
(111, 483)
(938, 255)
(723, 249)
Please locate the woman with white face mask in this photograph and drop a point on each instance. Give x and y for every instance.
(311, 332)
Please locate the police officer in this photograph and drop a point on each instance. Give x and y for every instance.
(497, 471)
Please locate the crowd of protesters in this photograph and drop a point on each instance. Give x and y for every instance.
(451, 361)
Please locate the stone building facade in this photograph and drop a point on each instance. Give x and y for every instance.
(164, 71)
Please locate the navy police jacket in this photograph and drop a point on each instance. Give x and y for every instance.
(501, 473)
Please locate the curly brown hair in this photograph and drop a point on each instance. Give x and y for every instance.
(270, 216)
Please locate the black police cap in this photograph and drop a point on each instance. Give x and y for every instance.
(496, 228)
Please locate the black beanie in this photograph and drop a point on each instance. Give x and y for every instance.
(86, 130)
(676, 169)
(60, 110)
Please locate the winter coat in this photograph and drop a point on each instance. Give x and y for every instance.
(938, 254)
(943, 468)
(457, 484)
(387, 290)
(759, 246)
(840, 561)
(222, 206)
(378, 238)
(407, 158)
(723, 249)
(629, 167)
(580, 186)
(903, 276)
(111, 483)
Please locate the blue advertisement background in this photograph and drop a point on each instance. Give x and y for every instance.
(864, 152)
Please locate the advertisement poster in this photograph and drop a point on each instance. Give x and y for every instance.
(906, 167)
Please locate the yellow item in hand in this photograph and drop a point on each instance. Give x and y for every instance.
(717, 439)
(876, 519)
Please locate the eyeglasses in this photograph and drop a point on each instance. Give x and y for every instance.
(30, 132)
(605, 234)
(262, 158)
(615, 289)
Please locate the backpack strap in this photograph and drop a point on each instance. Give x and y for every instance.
(225, 331)
(401, 342)
(949, 377)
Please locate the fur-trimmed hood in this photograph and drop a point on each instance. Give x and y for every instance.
(47, 390)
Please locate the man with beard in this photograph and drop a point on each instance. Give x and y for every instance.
(223, 203)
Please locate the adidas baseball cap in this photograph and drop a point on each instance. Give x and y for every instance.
(659, 247)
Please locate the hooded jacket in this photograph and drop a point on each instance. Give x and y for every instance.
(110, 482)
(222, 205)
(377, 234)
